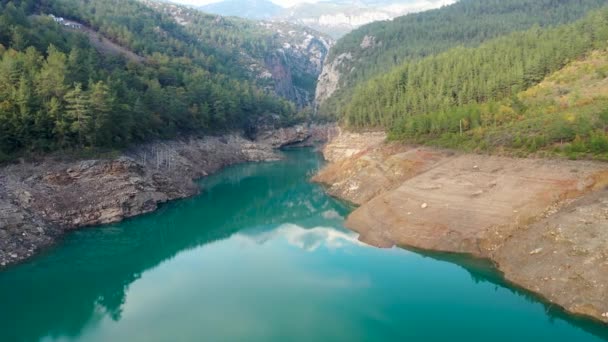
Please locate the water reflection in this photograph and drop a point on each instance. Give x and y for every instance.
(482, 270)
(261, 253)
(88, 275)
(308, 239)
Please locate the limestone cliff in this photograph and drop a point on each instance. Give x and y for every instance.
(278, 56)
(329, 79)
(293, 68)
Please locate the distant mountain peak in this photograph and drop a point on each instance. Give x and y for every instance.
(333, 17)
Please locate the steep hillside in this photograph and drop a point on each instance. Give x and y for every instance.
(294, 62)
(378, 47)
(566, 114)
(461, 76)
(467, 97)
(282, 57)
(61, 88)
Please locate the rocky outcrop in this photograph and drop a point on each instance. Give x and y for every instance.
(347, 144)
(368, 42)
(21, 232)
(284, 136)
(356, 52)
(294, 67)
(329, 79)
(41, 201)
(284, 58)
(544, 223)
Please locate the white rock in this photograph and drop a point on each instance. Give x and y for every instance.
(536, 251)
(424, 206)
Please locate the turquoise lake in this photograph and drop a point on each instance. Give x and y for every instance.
(262, 255)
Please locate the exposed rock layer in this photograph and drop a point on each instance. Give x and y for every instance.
(294, 66)
(543, 222)
(41, 201)
(329, 78)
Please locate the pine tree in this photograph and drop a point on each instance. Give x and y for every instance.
(100, 106)
(77, 112)
(51, 79)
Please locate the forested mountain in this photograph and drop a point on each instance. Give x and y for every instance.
(494, 70)
(277, 55)
(378, 47)
(470, 97)
(566, 114)
(197, 73)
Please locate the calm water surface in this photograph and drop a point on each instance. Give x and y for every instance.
(262, 255)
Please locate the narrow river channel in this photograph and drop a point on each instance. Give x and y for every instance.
(262, 255)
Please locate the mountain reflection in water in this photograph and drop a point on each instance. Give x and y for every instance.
(262, 254)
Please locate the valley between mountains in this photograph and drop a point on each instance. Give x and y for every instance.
(473, 127)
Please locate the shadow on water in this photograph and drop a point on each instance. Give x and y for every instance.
(87, 276)
(483, 270)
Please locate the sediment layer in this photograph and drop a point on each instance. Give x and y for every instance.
(40, 201)
(544, 223)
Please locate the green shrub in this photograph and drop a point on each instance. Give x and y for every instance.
(577, 146)
(598, 143)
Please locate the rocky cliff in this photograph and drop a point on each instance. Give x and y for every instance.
(39, 201)
(294, 67)
(544, 223)
(279, 56)
(329, 78)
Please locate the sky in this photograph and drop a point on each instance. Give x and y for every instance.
(289, 3)
(284, 3)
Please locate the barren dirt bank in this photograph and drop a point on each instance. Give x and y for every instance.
(544, 223)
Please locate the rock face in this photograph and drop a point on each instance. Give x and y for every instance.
(294, 68)
(543, 222)
(347, 144)
(284, 136)
(40, 201)
(329, 79)
(21, 232)
(286, 58)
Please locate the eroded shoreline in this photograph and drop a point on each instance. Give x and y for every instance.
(543, 223)
(40, 202)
